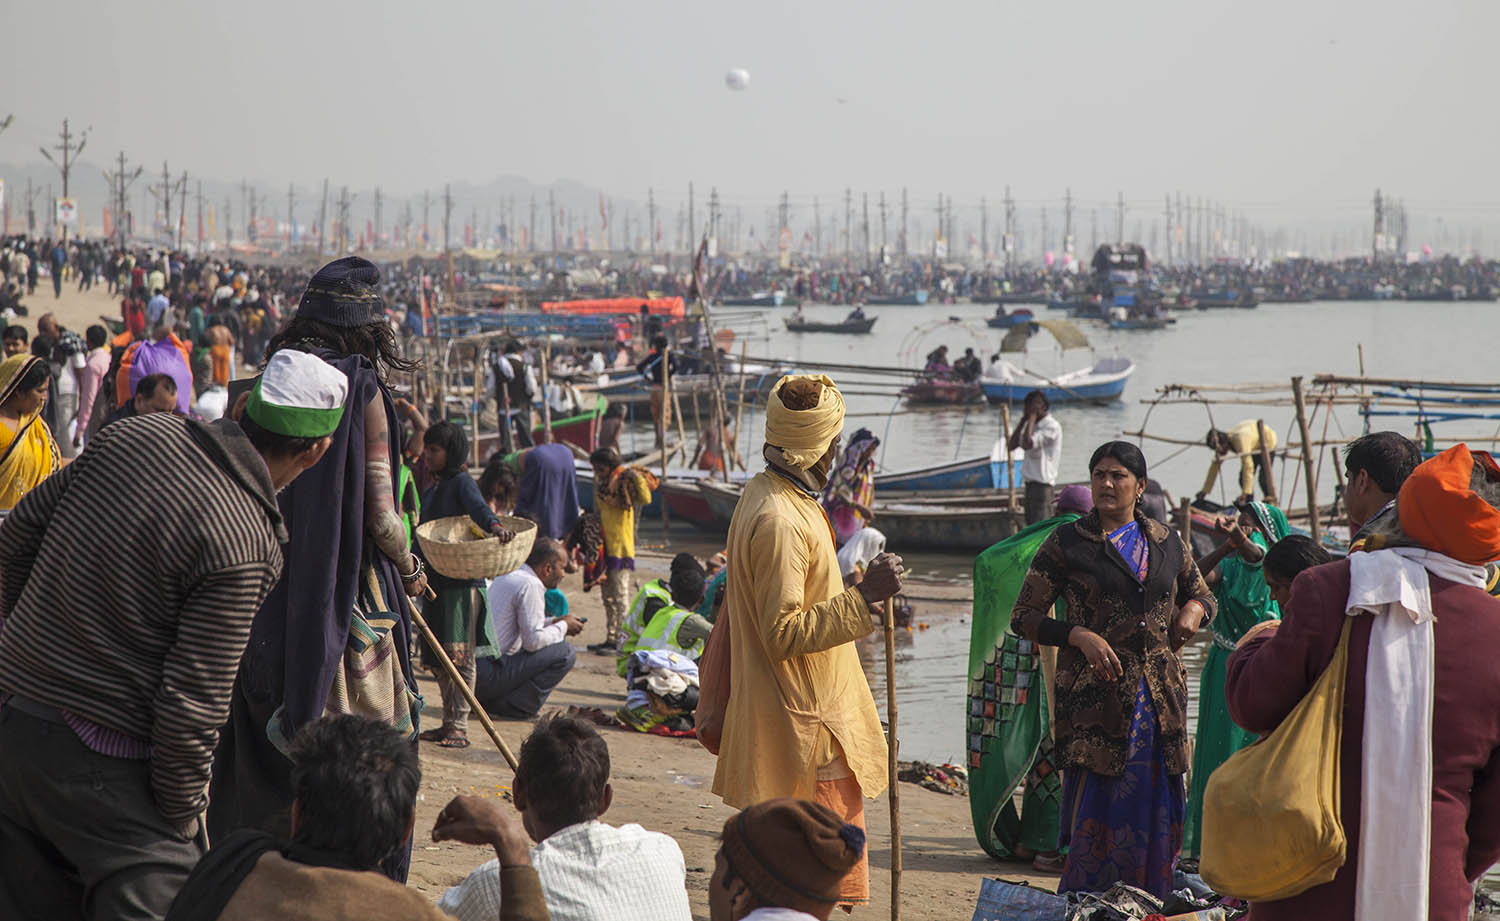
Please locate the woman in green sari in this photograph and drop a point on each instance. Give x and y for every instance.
(1233, 571)
(1009, 728)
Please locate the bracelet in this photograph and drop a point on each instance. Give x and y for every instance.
(416, 572)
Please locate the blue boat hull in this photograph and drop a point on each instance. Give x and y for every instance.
(1104, 392)
(981, 473)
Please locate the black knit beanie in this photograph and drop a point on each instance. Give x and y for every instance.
(345, 292)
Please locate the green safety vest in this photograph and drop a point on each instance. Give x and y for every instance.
(635, 619)
(409, 503)
(661, 633)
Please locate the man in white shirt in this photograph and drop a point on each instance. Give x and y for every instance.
(590, 871)
(535, 653)
(1040, 436)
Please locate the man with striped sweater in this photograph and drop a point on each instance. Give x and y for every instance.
(128, 582)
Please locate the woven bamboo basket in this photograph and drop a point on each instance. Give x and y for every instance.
(456, 547)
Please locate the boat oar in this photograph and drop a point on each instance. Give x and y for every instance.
(456, 678)
(895, 792)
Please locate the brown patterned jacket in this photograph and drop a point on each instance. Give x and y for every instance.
(1078, 564)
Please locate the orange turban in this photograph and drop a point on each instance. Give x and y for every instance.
(1440, 510)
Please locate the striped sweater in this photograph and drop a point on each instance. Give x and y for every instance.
(128, 581)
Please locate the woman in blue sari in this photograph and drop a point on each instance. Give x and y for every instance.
(1133, 598)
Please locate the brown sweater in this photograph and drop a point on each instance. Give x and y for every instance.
(287, 891)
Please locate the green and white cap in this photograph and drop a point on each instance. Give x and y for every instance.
(298, 395)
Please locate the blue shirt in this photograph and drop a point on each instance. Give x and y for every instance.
(156, 309)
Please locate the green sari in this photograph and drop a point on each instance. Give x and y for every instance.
(1008, 726)
(1244, 601)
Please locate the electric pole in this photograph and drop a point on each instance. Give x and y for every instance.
(69, 152)
(865, 205)
(323, 218)
(552, 216)
(1010, 228)
(119, 182)
(1379, 227)
(848, 224)
(692, 239)
(1120, 218)
(447, 214)
(882, 228)
(1068, 221)
(181, 208)
(651, 217)
(379, 201)
(291, 204)
(426, 215)
(984, 231)
(903, 223)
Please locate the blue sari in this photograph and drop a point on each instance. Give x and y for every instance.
(1125, 829)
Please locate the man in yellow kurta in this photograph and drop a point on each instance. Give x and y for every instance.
(800, 720)
(1253, 441)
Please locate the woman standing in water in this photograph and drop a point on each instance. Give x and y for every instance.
(1134, 597)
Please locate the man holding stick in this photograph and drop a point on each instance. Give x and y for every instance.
(800, 720)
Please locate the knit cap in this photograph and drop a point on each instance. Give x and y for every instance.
(299, 395)
(345, 292)
(792, 853)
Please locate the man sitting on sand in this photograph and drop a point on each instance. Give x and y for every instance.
(782, 860)
(590, 871)
(356, 783)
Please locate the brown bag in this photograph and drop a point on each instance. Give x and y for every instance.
(713, 685)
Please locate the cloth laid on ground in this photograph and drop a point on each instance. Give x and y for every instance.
(949, 779)
(662, 688)
(1244, 601)
(1009, 724)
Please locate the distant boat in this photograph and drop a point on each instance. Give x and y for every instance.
(580, 429)
(916, 298)
(1104, 382)
(1101, 382)
(938, 391)
(980, 473)
(1003, 320)
(845, 326)
(910, 523)
(1142, 321)
(758, 299)
(1226, 298)
(1039, 296)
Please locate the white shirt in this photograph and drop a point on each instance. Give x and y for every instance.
(1040, 465)
(518, 612)
(590, 872)
(778, 914)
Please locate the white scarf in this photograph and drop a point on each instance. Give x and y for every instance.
(778, 914)
(1395, 836)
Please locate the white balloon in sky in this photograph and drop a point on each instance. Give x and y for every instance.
(737, 79)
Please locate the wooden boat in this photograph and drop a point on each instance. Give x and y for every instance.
(910, 523)
(1040, 296)
(581, 429)
(1142, 321)
(851, 327)
(980, 473)
(1103, 382)
(1226, 298)
(916, 298)
(1003, 320)
(685, 503)
(938, 391)
(758, 299)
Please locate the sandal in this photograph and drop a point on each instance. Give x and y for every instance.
(455, 738)
(1049, 863)
(435, 735)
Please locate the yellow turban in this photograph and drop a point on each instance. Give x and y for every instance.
(803, 435)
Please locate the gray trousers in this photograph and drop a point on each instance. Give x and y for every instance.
(80, 837)
(1038, 502)
(516, 686)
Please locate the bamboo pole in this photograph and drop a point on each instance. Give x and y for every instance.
(1338, 476)
(739, 412)
(1314, 526)
(1187, 525)
(474, 412)
(458, 680)
(893, 753)
(546, 403)
(1010, 480)
(661, 429)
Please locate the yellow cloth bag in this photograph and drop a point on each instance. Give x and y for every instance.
(1271, 826)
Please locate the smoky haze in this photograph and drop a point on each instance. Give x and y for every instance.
(1285, 110)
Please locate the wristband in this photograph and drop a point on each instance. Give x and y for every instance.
(416, 571)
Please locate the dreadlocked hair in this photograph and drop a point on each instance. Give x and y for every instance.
(375, 341)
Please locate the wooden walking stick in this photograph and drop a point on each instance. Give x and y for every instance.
(895, 793)
(456, 678)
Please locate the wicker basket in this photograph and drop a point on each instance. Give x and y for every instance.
(456, 547)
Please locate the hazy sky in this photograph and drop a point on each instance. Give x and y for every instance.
(1282, 105)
